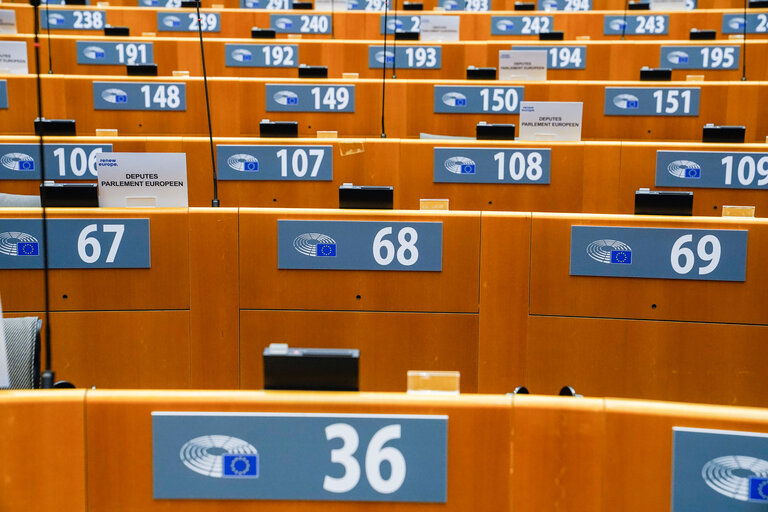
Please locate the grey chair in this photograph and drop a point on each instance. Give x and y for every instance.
(18, 200)
(22, 347)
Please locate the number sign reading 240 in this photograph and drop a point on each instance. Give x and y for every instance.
(359, 245)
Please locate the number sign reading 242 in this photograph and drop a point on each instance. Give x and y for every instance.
(329, 457)
(359, 245)
(666, 253)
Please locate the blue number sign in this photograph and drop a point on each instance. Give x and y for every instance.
(171, 4)
(565, 5)
(62, 161)
(477, 99)
(310, 98)
(642, 25)
(561, 57)
(712, 169)
(734, 23)
(400, 24)
(368, 5)
(652, 101)
(405, 57)
(491, 165)
(262, 55)
(700, 57)
(185, 21)
(300, 23)
(520, 25)
(110, 52)
(272, 5)
(139, 96)
(68, 19)
(465, 5)
(275, 163)
(3, 94)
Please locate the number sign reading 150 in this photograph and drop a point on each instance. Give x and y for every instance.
(477, 99)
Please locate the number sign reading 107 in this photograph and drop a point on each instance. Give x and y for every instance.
(139, 96)
(492, 165)
(310, 98)
(262, 55)
(188, 22)
(477, 99)
(300, 23)
(64, 19)
(700, 57)
(75, 243)
(405, 57)
(275, 163)
(650, 101)
(712, 169)
(62, 161)
(561, 57)
(665, 253)
(520, 25)
(644, 25)
(359, 245)
(110, 52)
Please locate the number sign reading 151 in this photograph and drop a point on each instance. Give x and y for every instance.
(646, 25)
(62, 161)
(64, 19)
(139, 96)
(476, 99)
(75, 243)
(491, 165)
(310, 98)
(650, 101)
(665, 253)
(188, 22)
(359, 245)
(110, 52)
(712, 169)
(275, 163)
(405, 57)
(700, 57)
(300, 23)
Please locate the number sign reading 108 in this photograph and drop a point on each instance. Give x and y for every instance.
(492, 165)
(300, 23)
(644, 25)
(650, 101)
(262, 55)
(275, 163)
(110, 52)
(188, 22)
(310, 98)
(520, 25)
(359, 245)
(561, 57)
(405, 57)
(139, 96)
(665, 253)
(700, 57)
(712, 169)
(75, 243)
(477, 99)
(62, 161)
(64, 19)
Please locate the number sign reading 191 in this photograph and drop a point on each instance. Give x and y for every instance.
(400, 24)
(700, 57)
(643, 25)
(188, 22)
(271, 5)
(477, 99)
(65, 19)
(300, 456)
(756, 23)
(139, 96)
(110, 52)
(565, 5)
(664, 253)
(300, 23)
(359, 245)
(465, 5)
(62, 161)
(262, 55)
(520, 25)
(650, 101)
(310, 98)
(275, 163)
(492, 165)
(712, 169)
(3, 94)
(405, 57)
(75, 243)
(561, 57)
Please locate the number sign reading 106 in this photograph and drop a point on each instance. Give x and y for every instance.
(139, 96)
(310, 98)
(62, 161)
(275, 163)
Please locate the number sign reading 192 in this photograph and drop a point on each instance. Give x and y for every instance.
(262, 55)
(271, 5)
(756, 23)
(188, 22)
(300, 456)
(3, 94)
(643, 25)
(665, 253)
(66, 19)
(465, 5)
(561, 57)
(400, 24)
(359, 245)
(405, 57)
(75, 243)
(520, 25)
(110, 52)
(492, 165)
(300, 23)
(700, 57)
(650, 101)
(565, 5)
(477, 99)
(712, 169)
(310, 98)
(275, 163)
(139, 96)
(62, 161)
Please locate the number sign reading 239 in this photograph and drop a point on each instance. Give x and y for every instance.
(284, 456)
(359, 245)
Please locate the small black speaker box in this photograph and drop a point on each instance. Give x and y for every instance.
(525, 6)
(712, 133)
(659, 202)
(302, 6)
(551, 36)
(495, 131)
(413, 6)
(74, 195)
(311, 369)
(366, 197)
(55, 127)
(313, 71)
(758, 4)
(406, 36)
(141, 69)
(656, 75)
(74, 2)
(702, 35)
(474, 73)
(278, 128)
(117, 31)
(190, 4)
(639, 6)
(262, 33)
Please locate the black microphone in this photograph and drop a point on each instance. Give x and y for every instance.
(624, 24)
(394, 52)
(384, 68)
(744, 46)
(48, 28)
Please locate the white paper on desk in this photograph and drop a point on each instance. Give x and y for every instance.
(523, 65)
(13, 57)
(330, 5)
(439, 28)
(669, 5)
(142, 179)
(5, 381)
(550, 120)
(7, 21)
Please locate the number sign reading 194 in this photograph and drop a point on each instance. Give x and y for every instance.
(712, 169)
(62, 161)
(188, 22)
(262, 55)
(520, 25)
(275, 163)
(310, 98)
(400, 24)
(756, 23)
(300, 456)
(561, 57)
(465, 5)
(75, 243)
(67, 19)
(405, 57)
(665, 253)
(359, 245)
(139, 96)
(700, 57)
(300, 23)
(650, 101)
(565, 5)
(110, 52)
(3, 94)
(644, 25)
(492, 165)
(271, 5)
(477, 99)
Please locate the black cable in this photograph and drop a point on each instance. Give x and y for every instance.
(394, 52)
(215, 200)
(384, 70)
(624, 23)
(48, 29)
(744, 46)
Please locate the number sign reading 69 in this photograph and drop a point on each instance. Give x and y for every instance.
(359, 245)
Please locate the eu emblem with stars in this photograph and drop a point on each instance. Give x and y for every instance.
(326, 249)
(239, 465)
(621, 257)
(758, 489)
(27, 249)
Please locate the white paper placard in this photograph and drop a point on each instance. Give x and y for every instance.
(523, 65)
(550, 120)
(668, 5)
(13, 57)
(5, 380)
(439, 28)
(142, 179)
(331, 5)
(7, 21)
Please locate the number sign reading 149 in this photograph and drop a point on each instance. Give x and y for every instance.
(520, 25)
(477, 99)
(139, 96)
(110, 52)
(492, 165)
(756, 23)
(561, 57)
(275, 163)
(712, 169)
(300, 23)
(64, 19)
(62, 161)
(665, 253)
(645, 25)
(262, 55)
(649, 101)
(359, 245)
(310, 98)
(75, 243)
(700, 57)
(405, 57)
(565, 5)
(188, 22)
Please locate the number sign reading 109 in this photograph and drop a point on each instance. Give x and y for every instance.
(405, 57)
(310, 98)
(665, 253)
(275, 163)
(66, 19)
(139, 96)
(650, 101)
(712, 169)
(359, 245)
(492, 165)
(111, 52)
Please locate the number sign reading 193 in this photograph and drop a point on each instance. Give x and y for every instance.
(67, 19)
(756, 23)
(643, 25)
(300, 23)
(139, 96)
(110, 52)
(520, 25)
(665, 253)
(405, 57)
(650, 101)
(310, 98)
(262, 55)
(62, 161)
(400, 24)
(492, 165)
(700, 57)
(561, 57)
(275, 163)
(3, 94)
(188, 22)
(271, 5)
(75, 243)
(359, 245)
(300, 456)
(477, 99)
(565, 5)
(712, 169)
(465, 5)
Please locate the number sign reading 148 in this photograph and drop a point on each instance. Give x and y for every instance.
(139, 96)
(110, 52)
(477, 99)
(188, 22)
(562, 57)
(712, 169)
(359, 245)
(665, 253)
(649, 101)
(310, 98)
(520, 25)
(644, 25)
(405, 57)
(275, 163)
(700, 57)
(64, 19)
(262, 55)
(300, 23)
(492, 165)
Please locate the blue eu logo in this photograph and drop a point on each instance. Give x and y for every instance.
(26, 165)
(621, 257)
(633, 104)
(27, 249)
(758, 489)
(251, 166)
(468, 169)
(326, 249)
(237, 465)
(461, 102)
(692, 172)
(292, 101)
(121, 98)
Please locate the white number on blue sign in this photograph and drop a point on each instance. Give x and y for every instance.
(576, 5)
(670, 102)
(208, 22)
(419, 57)
(407, 254)
(131, 53)
(275, 55)
(476, 5)
(314, 24)
(88, 19)
(535, 24)
(89, 248)
(300, 162)
(762, 23)
(708, 249)
(163, 98)
(650, 25)
(497, 100)
(335, 98)
(718, 57)
(746, 170)
(79, 162)
(519, 166)
(375, 5)
(562, 57)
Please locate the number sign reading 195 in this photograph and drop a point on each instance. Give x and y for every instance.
(477, 99)
(561, 57)
(310, 98)
(665, 253)
(262, 55)
(651, 101)
(756, 23)
(700, 57)
(188, 22)
(75, 243)
(520, 25)
(405, 57)
(300, 456)
(643, 25)
(62, 161)
(400, 24)
(300, 23)
(492, 165)
(139, 96)
(67, 19)
(275, 163)
(359, 245)
(110, 52)
(712, 169)
(3, 94)
(271, 5)
(465, 5)
(565, 5)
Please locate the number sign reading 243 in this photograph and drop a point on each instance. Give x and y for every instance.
(666, 253)
(284, 456)
(359, 245)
